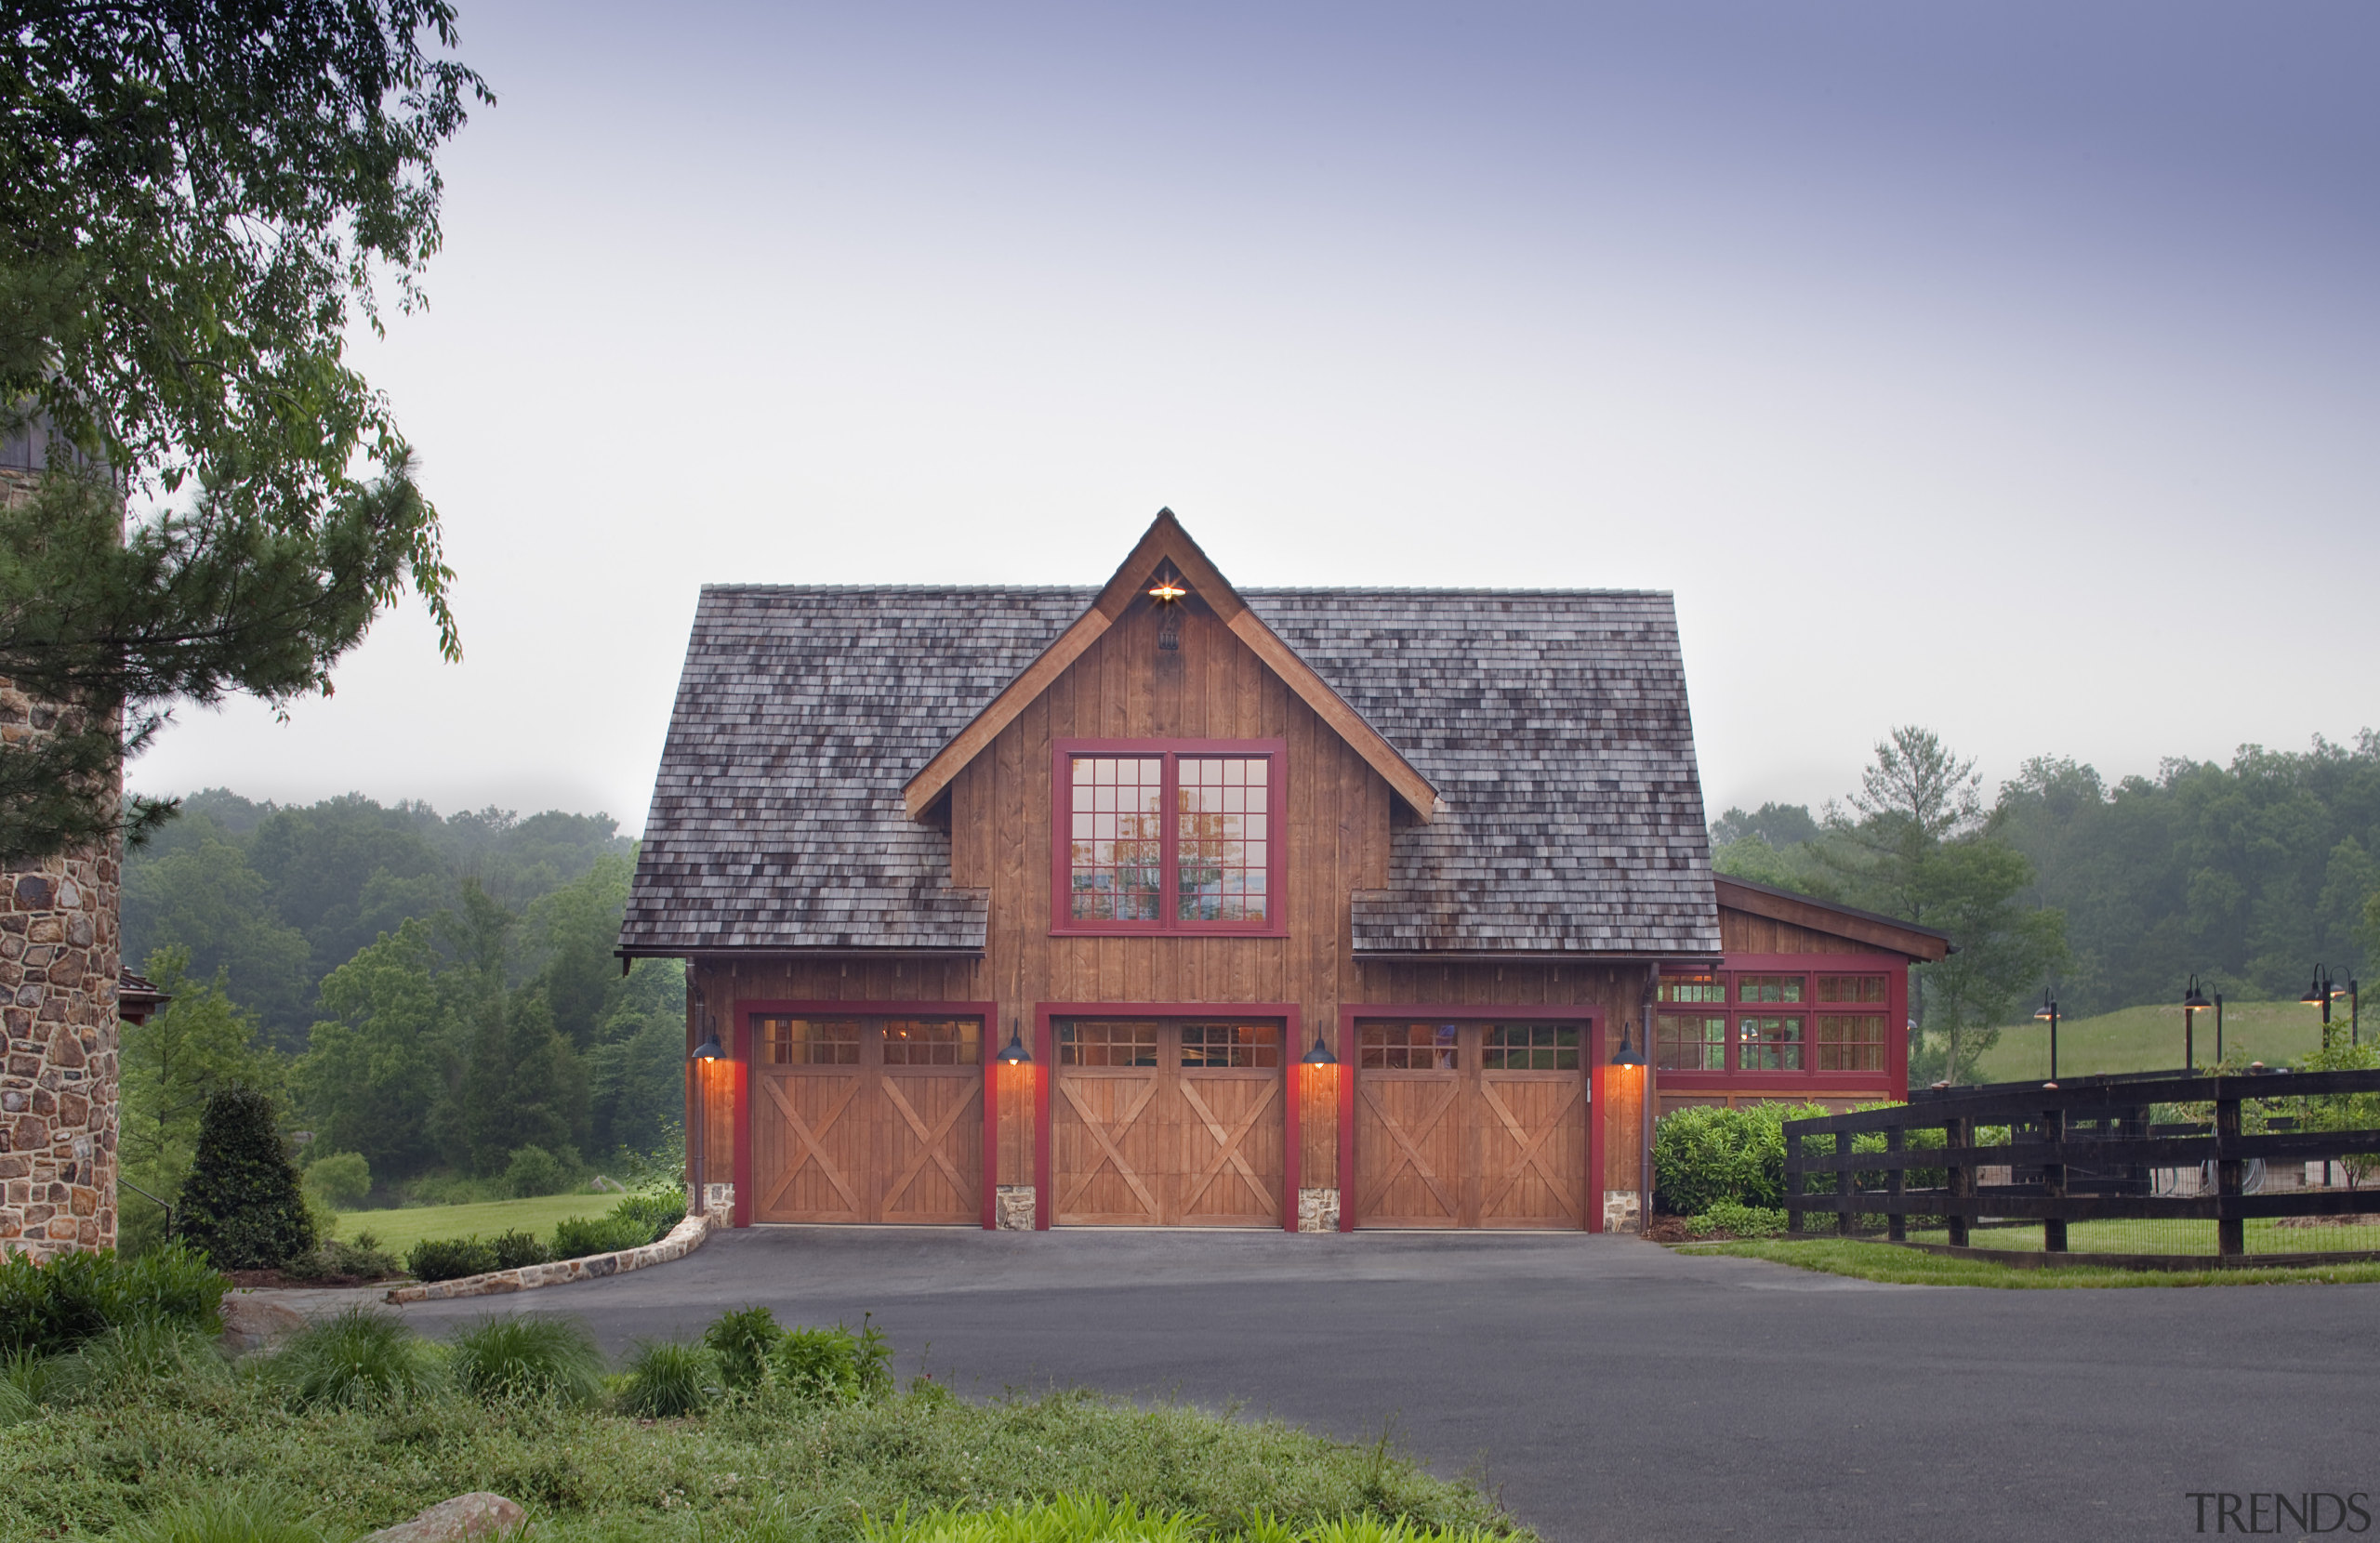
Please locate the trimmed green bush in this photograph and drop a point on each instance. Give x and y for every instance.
(533, 1171)
(742, 1340)
(50, 1309)
(1704, 1155)
(667, 1379)
(362, 1359)
(509, 1357)
(515, 1248)
(658, 1211)
(339, 1179)
(242, 1206)
(577, 1236)
(361, 1259)
(1735, 1221)
(449, 1258)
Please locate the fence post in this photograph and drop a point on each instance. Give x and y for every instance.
(1958, 1176)
(1842, 1182)
(1895, 1185)
(2230, 1230)
(2053, 1182)
(1792, 1184)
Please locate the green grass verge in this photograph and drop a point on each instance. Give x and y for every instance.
(1883, 1261)
(400, 1230)
(2162, 1236)
(2149, 1039)
(763, 1469)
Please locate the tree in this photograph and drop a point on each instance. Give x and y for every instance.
(378, 1064)
(202, 901)
(243, 1204)
(194, 196)
(196, 1045)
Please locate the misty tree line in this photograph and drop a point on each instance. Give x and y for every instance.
(432, 993)
(2115, 894)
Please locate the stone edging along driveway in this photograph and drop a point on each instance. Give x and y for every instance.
(683, 1239)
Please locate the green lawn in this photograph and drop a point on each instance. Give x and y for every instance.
(400, 1230)
(2161, 1235)
(1883, 1261)
(2149, 1039)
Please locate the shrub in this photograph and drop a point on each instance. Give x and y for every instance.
(361, 1259)
(361, 1359)
(227, 1516)
(534, 1170)
(509, 1357)
(665, 1379)
(1735, 1221)
(656, 1212)
(449, 1258)
(1704, 1155)
(515, 1248)
(49, 1309)
(742, 1340)
(339, 1179)
(242, 1206)
(577, 1236)
(834, 1365)
(140, 1359)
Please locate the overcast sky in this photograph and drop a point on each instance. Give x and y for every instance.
(2008, 369)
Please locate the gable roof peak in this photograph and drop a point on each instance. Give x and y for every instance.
(1166, 542)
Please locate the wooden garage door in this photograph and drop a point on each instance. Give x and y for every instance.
(867, 1120)
(1471, 1125)
(1162, 1122)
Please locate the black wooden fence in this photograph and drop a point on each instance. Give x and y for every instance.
(2078, 1150)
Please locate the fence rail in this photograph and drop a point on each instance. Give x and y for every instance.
(2084, 1151)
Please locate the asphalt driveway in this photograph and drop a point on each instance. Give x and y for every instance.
(1608, 1388)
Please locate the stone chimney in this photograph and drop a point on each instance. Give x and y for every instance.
(59, 957)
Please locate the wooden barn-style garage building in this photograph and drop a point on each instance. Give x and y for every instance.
(1173, 905)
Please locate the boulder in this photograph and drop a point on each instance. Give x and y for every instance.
(479, 1514)
(251, 1323)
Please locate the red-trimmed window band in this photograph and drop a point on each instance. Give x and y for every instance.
(1771, 1020)
(1170, 837)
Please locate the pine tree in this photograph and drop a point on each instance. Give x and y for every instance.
(242, 1204)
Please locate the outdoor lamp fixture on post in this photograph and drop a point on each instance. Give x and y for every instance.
(2047, 1013)
(2319, 994)
(2193, 1002)
(705, 1054)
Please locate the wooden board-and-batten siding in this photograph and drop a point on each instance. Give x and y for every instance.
(1335, 817)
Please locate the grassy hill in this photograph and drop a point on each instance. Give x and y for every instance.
(2149, 1039)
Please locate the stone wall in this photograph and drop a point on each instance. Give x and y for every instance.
(59, 960)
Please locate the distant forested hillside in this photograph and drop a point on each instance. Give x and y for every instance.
(432, 991)
(2247, 875)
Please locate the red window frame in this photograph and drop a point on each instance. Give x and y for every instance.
(1892, 1078)
(1273, 752)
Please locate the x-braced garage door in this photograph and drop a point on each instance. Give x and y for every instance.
(1159, 1121)
(867, 1120)
(1471, 1124)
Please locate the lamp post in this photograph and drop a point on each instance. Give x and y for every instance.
(2193, 1002)
(705, 1054)
(2047, 1013)
(2219, 1028)
(2318, 994)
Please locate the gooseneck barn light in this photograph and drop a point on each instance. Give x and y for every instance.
(1016, 1054)
(1321, 1055)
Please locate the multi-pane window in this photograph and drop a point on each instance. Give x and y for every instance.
(1772, 1020)
(1120, 1042)
(1409, 1047)
(1231, 1045)
(1119, 851)
(1851, 1042)
(931, 1041)
(1690, 1042)
(841, 1041)
(1768, 1043)
(1529, 1047)
(1171, 840)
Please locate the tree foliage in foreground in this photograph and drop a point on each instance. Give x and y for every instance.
(195, 198)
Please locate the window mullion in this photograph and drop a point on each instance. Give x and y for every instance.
(1169, 906)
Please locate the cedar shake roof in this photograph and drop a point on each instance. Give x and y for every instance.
(1553, 725)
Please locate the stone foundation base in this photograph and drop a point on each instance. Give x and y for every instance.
(1621, 1212)
(719, 1200)
(1317, 1210)
(1013, 1207)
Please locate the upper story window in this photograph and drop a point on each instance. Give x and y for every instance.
(1168, 836)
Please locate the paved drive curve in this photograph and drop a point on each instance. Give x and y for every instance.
(1613, 1389)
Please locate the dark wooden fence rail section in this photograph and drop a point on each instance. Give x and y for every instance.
(2055, 1112)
